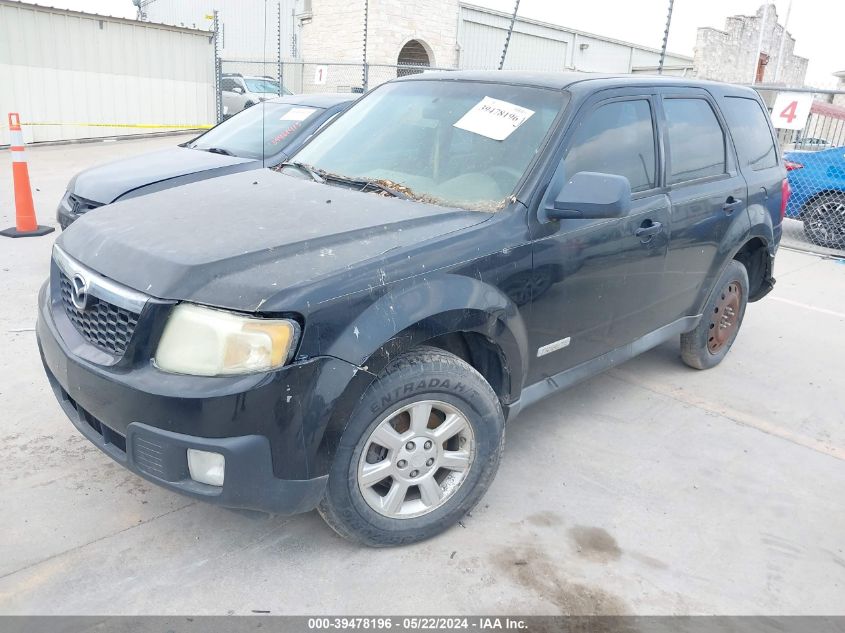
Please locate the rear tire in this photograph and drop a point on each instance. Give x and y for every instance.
(419, 451)
(706, 345)
(824, 220)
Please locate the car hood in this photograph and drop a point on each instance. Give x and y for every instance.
(106, 183)
(242, 240)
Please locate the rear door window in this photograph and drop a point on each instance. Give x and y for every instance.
(617, 138)
(749, 127)
(696, 140)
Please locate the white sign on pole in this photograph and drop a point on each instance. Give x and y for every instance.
(791, 110)
(320, 74)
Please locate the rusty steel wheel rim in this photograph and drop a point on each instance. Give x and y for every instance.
(724, 320)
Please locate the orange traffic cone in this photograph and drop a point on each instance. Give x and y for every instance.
(25, 223)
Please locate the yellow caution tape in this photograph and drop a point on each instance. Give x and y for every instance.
(191, 126)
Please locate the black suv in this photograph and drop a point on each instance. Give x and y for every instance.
(352, 331)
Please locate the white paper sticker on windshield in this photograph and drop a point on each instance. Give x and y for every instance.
(494, 118)
(298, 114)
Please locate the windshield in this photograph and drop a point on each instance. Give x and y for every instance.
(258, 132)
(458, 143)
(262, 85)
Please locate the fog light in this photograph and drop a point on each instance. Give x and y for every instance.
(206, 468)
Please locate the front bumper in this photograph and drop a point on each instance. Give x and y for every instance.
(269, 427)
(72, 207)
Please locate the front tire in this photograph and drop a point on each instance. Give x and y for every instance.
(420, 450)
(711, 340)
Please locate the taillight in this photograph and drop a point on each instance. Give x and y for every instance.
(790, 165)
(785, 192)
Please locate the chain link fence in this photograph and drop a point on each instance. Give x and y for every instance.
(243, 83)
(815, 162)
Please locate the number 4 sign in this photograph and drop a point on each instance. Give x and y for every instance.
(320, 74)
(791, 110)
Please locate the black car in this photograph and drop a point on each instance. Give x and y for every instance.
(352, 331)
(260, 137)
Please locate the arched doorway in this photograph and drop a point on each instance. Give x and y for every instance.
(414, 53)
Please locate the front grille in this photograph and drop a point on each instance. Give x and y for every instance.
(78, 205)
(102, 324)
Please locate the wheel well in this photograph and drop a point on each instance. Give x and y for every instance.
(482, 354)
(754, 255)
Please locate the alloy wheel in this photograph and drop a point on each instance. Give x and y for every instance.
(415, 459)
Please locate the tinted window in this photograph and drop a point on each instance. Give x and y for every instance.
(696, 140)
(227, 84)
(618, 138)
(750, 130)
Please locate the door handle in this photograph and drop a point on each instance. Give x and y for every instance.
(649, 229)
(732, 203)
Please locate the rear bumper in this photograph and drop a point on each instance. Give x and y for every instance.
(269, 427)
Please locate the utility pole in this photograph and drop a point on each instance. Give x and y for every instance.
(508, 37)
(782, 39)
(366, 68)
(665, 39)
(281, 69)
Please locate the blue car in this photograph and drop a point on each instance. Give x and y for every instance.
(817, 180)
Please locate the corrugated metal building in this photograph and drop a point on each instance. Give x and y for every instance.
(537, 45)
(66, 70)
(250, 30)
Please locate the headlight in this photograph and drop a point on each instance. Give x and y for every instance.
(206, 342)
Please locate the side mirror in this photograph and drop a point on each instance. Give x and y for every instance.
(238, 90)
(591, 195)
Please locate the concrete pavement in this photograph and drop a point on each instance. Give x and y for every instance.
(652, 489)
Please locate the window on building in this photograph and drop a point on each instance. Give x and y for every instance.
(762, 62)
(696, 140)
(750, 129)
(414, 53)
(618, 138)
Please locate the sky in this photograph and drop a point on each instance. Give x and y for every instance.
(815, 24)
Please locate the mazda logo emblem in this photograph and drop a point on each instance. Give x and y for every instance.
(79, 292)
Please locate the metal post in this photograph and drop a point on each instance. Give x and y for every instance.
(365, 77)
(782, 39)
(665, 39)
(756, 59)
(218, 70)
(280, 70)
(508, 36)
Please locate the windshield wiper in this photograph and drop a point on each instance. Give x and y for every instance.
(217, 150)
(316, 176)
(366, 183)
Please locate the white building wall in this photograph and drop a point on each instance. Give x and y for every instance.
(66, 69)
(249, 28)
(732, 55)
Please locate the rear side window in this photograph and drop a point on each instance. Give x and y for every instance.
(617, 138)
(750, 130)
(696, 140)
